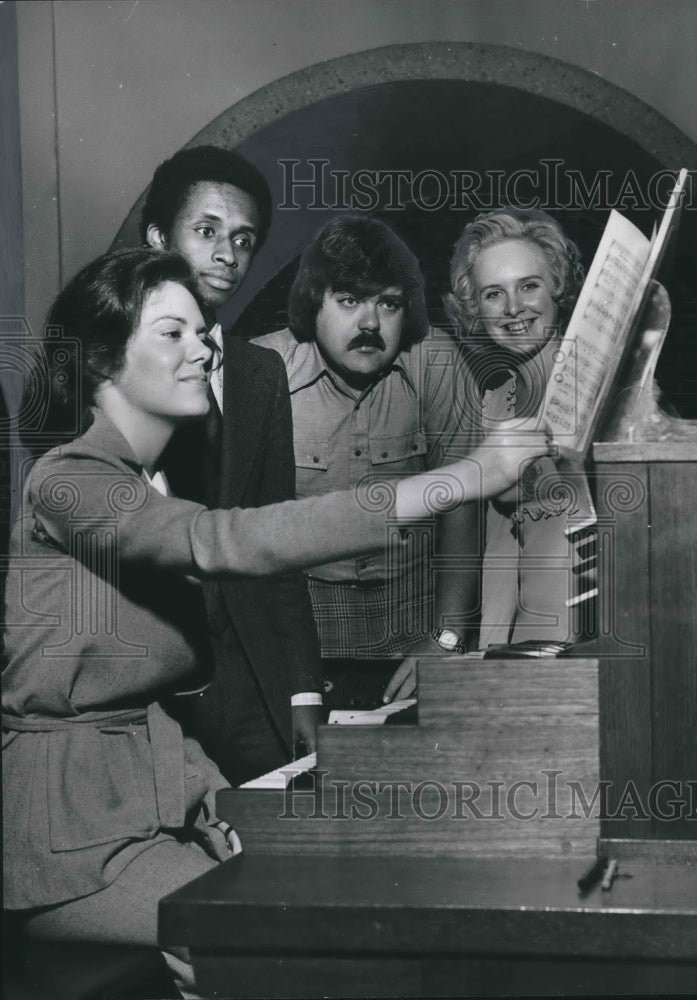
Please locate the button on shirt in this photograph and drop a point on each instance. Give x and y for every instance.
(412, 419)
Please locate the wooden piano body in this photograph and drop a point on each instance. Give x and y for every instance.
(441, 859)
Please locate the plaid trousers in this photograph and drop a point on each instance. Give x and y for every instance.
(370, 620)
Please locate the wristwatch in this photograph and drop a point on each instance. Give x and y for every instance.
(448, 640)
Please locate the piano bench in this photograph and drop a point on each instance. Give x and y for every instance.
(41, 970)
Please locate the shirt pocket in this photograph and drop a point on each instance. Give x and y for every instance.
(100, 787)
(402, 451)
(312, 476)
(312, 455)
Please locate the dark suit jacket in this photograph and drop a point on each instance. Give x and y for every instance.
(263, 633)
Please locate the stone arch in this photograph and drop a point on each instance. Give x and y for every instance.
(445, 107)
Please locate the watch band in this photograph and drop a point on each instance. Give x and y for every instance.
(448, 640)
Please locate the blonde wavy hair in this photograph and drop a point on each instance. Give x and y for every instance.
(500, 226)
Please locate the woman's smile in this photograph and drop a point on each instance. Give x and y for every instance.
(515, 295)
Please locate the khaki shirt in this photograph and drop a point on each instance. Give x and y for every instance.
(414, 418)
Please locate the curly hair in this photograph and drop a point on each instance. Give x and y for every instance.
(87, 330)
(361, 255)
(529, 225)
(174, 178)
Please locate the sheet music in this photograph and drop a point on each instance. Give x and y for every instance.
(596, 332)
(599, 329)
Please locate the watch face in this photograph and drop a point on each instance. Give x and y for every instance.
(448, 639)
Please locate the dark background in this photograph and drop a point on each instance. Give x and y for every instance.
(446, 125)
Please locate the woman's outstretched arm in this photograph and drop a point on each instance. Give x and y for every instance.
(82, 493)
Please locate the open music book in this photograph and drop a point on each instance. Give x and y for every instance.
(601, 326)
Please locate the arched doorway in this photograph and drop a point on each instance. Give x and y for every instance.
(426, 135)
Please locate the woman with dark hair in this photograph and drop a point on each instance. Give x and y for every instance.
(515, 279)
(108, 805)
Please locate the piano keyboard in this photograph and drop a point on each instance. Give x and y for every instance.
(372, 717)
(282, 776)
(584, 542)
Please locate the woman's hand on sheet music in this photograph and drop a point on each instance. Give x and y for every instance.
(505, 453)
(494, 466)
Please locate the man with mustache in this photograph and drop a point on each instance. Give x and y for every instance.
(376, 393)
(264, 703)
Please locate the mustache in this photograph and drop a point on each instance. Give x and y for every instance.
(366, 338)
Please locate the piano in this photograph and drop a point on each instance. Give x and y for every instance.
(441, 859)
